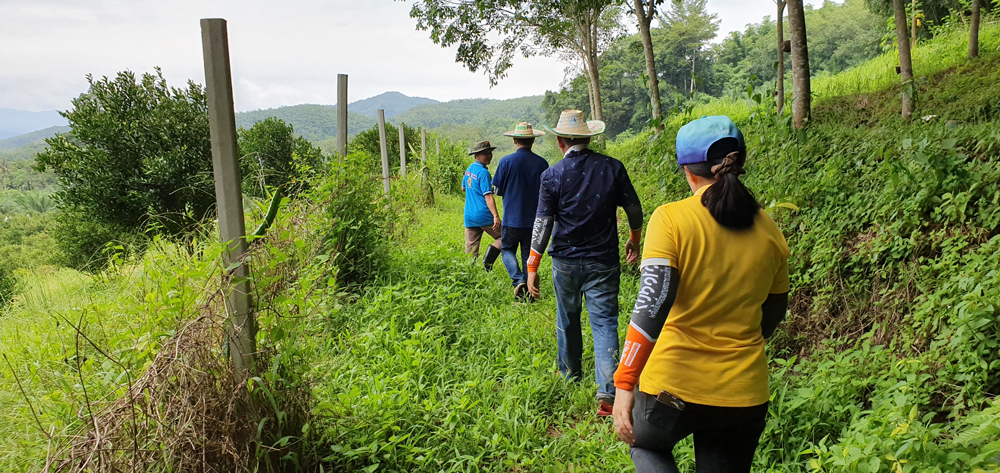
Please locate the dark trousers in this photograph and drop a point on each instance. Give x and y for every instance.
(725, 438)
(510, 240)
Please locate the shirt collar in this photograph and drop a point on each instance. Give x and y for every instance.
(576, 148)
(702, 190)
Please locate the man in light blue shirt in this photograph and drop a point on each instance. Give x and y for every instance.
(480, 208)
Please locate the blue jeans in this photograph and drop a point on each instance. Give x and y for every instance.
(598, 282)
(510, 240)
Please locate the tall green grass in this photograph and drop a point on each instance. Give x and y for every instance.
(127, 311)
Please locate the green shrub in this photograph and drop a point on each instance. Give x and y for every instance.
(137, 159)
(357, 221)
(271, 155)
(8, 284)
(448, 167)
(367, 143)
(92, 246)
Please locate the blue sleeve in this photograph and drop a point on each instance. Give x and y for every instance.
(485, 186)
(499, 184)
(547, 198)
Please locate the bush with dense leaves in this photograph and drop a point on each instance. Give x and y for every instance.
(357, 221)
(138, 153)
(367, 142)
(271, 155)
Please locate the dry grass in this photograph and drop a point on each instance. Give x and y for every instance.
(186, 412)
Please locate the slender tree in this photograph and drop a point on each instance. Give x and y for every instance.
(974, 31)
(645, 11)
(905, 64)
(801, 94)
(781, 56)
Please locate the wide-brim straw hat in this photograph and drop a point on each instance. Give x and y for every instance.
(573, 125)
(523, 130)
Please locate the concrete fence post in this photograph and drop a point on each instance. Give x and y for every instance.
(423, 146)
(342, 115)
(240, 326)
(402, 151)
(385, 152)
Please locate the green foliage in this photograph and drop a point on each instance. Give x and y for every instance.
(138, 157)
(21, 175)
(357, 221)
(89, 245)
(490, 33)
(25, 241)
(272, 156)
(367, 145)
(8, 284)
(448, 167)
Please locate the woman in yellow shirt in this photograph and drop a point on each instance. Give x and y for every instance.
(714, 286)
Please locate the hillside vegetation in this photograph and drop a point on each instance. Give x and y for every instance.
(383, 347)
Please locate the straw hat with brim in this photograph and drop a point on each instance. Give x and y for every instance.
(481, 147)
(523, 130)
(572, 125)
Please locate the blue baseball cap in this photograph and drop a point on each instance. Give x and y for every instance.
(695, 138)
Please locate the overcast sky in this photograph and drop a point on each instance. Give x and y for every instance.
(283, 52)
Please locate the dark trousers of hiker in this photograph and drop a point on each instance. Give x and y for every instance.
(510, 240)
(725, 438)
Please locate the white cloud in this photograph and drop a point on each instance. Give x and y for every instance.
(282, 52)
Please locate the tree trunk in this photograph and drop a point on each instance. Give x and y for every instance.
(780, 88)
(595, 74)
(692, 72)
(913, 23)
(590, 84)
(800, 63)
(645, 19)
(905, 65)
(974, 31)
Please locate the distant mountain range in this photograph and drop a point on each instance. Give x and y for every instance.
(18, 122)
(468, 119)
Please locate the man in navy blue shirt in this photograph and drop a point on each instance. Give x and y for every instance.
(579, 197)
(517, 180)
(481, 214)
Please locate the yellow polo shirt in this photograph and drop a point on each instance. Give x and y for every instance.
(711, 350)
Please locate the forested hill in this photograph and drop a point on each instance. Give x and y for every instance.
(28, 138)
(16, 122)
(479, 112)
(467, 119)
(314, 122)
(394, 103)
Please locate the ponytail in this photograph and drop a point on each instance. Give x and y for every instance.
(730, 202)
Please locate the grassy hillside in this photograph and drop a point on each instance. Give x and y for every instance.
(888, 361)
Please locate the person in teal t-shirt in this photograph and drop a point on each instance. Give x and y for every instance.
(480, 209)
